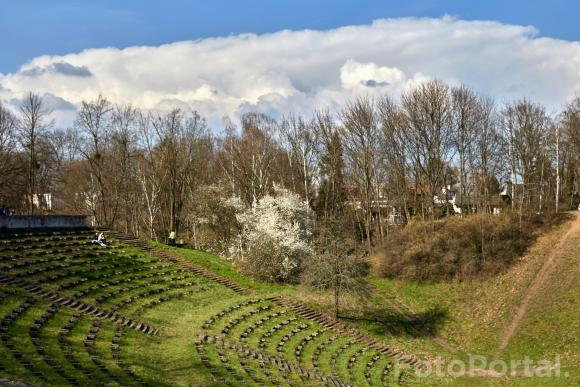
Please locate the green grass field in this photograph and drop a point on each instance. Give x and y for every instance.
(73, 313)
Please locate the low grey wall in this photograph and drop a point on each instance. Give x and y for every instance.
(43, 221)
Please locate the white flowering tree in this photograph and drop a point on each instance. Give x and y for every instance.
(275, 236)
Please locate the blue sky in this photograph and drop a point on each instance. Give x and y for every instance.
(225, 58)
(30, 28)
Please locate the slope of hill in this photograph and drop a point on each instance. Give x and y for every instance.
(74, 313)
(532, 310)
(139, 313)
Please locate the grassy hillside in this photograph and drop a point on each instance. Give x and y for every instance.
(455, 319)
(473, 317)
(74, 313)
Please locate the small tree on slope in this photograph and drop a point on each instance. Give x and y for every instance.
(334, 267)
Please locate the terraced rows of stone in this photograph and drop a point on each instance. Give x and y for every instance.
(70, 312)
(274, 345)
(275, 342)
(66, 304)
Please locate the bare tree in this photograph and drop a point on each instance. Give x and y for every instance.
(361, 140)
(557, 199)
(12, 167)
(570, 152)
(334, 266)
(149, 173)
(251, 157)
(178, 136)
(487, 156)
(465, 120)
(93, 121)
(123, 149)
(299, 140)
(395, 160)
(428, 135)
(525, 126)
(331, 191)
(33, 126)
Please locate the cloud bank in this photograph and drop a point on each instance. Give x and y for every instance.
(297, 71)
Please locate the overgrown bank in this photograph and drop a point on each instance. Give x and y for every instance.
(476, 246)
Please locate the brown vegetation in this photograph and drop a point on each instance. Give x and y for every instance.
(458, 248)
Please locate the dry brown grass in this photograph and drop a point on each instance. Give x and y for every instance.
(476, 246)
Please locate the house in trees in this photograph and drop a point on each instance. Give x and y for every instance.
(453, 202)
(511, 192)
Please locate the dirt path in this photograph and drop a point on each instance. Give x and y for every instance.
(536, 284)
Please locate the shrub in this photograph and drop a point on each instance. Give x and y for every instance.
(334, 265)
(211, 224)
(267, 260)
(275, 237)
(455, 248)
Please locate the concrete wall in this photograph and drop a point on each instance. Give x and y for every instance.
(43, 221)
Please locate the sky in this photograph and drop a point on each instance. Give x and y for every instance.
(223, 58)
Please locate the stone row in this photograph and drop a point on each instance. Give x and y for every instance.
(85, 251)
(39, 292)
(28, 234)
(43, 239)
(319, 348)
(265, 337)
(162, 253)
(116, 353)
(288, 336)
(17, 262)
(308, 339)
(87, 247)
(5, 325)
(282, 365)
(89, 343)
(386, 371)
(128, 280)
(151, 292)
(249, 330)
(233, 322)
(115, 345)
(226, 364)
(369, 366)
(328, 322)
(48, 245)
(66, 347)
(140, 284)
(34, 333)
(57, 276)
(340, 350)
(207, 363)
(106, 275)
(56, 256)
(208, 323)
(168, 297)
(67, 265)
(352, 360)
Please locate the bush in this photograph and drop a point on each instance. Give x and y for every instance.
(269, 261)
(211, 224)
(456, 248)
(275, 237)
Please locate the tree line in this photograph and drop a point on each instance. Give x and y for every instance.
(378, 163)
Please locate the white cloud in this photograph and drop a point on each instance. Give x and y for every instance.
(297, 71)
